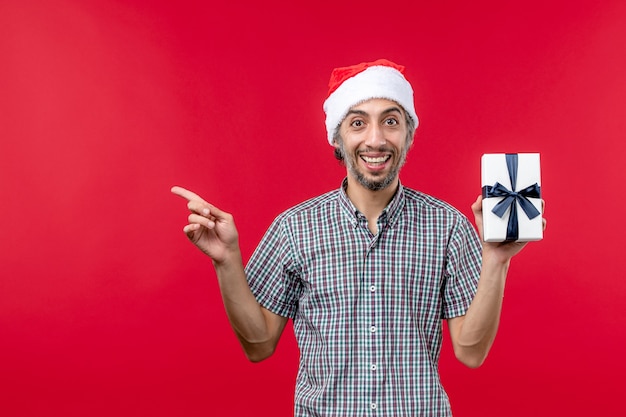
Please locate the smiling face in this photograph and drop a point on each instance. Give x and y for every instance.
(373, 141)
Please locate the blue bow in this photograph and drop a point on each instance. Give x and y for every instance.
(512, 197)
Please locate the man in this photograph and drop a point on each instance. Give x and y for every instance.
(366, 272)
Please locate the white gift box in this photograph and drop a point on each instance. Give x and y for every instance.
(518, 206)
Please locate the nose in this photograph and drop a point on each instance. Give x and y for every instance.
(375, 136)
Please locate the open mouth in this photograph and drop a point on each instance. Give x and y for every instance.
(375, 160)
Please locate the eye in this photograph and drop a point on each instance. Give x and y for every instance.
(391, 121)
(357, 123)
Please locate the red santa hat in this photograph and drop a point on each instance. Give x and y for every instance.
(355, 84)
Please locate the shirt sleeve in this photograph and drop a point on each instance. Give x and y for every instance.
(462, 269)
(273, 275)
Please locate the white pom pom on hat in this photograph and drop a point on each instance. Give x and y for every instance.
(349, 86)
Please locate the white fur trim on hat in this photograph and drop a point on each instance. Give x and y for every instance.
(373, 82)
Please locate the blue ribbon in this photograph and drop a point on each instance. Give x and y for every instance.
(511, 198)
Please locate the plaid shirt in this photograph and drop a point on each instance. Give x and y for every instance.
(367, 309)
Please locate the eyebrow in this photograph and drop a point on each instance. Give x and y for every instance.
(384, 112)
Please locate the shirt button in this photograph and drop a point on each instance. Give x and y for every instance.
(373, 288)
(373, 367)
(373, 406)
(373, 329)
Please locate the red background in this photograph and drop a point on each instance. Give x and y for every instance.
(106, 309)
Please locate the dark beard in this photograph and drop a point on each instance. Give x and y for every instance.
(375, 184)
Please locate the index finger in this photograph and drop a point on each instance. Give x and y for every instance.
(186, 194)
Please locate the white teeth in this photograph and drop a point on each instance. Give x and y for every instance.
(377, 160)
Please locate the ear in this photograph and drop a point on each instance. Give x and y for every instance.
(410, 140)
(337, 152)
(336, 138)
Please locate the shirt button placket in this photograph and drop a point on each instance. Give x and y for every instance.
(374, 327)
(373, 331)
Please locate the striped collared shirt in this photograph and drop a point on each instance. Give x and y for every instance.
(367, 309)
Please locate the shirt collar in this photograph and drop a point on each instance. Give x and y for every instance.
(391, 212)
